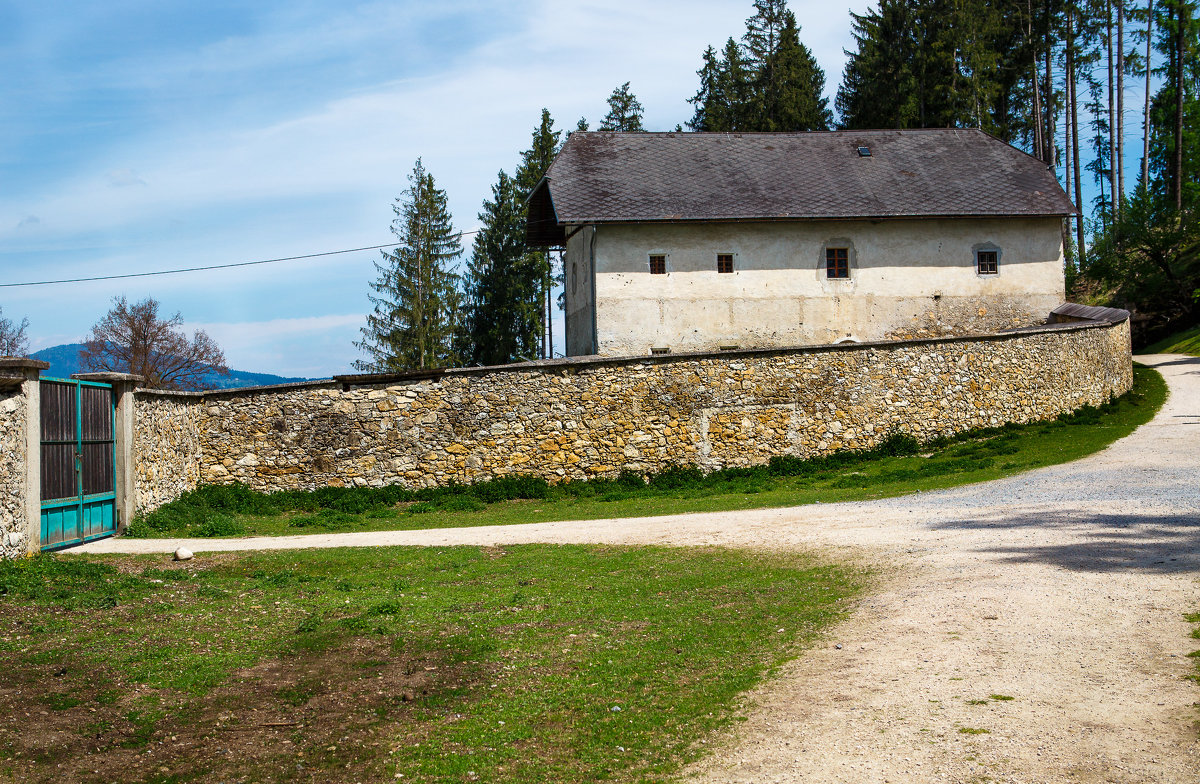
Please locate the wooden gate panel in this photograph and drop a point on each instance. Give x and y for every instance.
(96, 430)
(58, 471)
(97, 468)
(58, 441)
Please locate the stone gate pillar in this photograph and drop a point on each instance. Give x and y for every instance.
(20, 456)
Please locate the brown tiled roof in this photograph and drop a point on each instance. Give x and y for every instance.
(634, 177)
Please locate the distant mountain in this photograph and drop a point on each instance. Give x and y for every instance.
(64, 361)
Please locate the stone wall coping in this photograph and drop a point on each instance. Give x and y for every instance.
(109, 377)
(206, 393)
(582, 363)
(23, 362)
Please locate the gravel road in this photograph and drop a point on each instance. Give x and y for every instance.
(1063, 588)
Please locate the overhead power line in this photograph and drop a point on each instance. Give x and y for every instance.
(209, 267)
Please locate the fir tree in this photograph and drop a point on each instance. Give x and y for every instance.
(771, 83)
(534, 163)
(723, 103)
(417, 301)
(503, 282)
(793, 99)
(706, 100)
(624, 111)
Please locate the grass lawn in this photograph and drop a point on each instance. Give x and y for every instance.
(523, 664)
(974, 457)
(1186, 342)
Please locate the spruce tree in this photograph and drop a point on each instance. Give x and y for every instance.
(624, 111)
(794, 100)
(723, 102)
(503, 282)
(534, 163)
(771, 82)
(417, 301)
(707, 98)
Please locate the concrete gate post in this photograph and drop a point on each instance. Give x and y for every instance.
(123, 385)
(20, 519)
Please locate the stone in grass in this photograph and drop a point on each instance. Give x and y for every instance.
(183, 554)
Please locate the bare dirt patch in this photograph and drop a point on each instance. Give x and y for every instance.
(330, 715)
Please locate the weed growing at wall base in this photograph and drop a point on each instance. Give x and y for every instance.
(897, 466)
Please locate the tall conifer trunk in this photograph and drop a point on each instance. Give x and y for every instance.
(1177, 174)
(1119, 165)
(1051, 133)
(1072, 77)
(1146, 109)
(1112, 118)
(1039, 150)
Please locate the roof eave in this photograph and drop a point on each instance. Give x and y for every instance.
(587, 220)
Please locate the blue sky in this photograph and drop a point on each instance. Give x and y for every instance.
(138, 136)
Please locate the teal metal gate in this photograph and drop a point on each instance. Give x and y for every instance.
(78, 458)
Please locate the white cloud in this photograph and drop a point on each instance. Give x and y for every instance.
(310, 346)
(124, 178)
(248, 332)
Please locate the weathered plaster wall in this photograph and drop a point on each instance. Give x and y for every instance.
(13, 473)
(908, 279)
(578, 419)
(166, 454)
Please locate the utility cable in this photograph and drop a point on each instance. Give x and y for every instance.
(211, 267)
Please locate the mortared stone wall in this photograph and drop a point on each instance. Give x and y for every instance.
(580, 418)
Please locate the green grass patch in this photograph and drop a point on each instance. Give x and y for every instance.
(528, 663)
(1185, 342)
(900, 465)
(973, 731)
(1195, 619)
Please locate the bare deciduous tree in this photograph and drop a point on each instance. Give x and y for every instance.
(134, 339)
(13, 342)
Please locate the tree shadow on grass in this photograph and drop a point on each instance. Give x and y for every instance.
(1104, 542)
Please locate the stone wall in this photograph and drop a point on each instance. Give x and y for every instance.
(13, 472)
(166, 446)
(574, 419)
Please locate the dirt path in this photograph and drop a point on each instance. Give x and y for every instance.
(1063, 588)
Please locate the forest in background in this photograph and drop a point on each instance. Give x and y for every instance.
(1050, 77)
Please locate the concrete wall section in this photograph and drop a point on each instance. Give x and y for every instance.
(908, 279)
(575, 419)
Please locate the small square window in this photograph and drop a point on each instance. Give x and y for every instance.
(658, 264)
(725, 262)
(987, 262)
(837, 262)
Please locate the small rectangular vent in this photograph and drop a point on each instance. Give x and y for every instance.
(864, 152)
(728, 346)
(660, 349)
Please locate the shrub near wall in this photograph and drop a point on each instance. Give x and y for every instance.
(581, 418)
